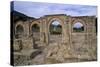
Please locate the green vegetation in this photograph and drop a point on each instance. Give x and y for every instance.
(78, 29)
(55, 29)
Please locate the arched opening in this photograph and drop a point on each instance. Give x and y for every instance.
(78, 27)
(35, 28)
(35, 35)
(55, 31)
(19, 31)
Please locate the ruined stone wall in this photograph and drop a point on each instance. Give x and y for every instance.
(79, 42)
(82, 41)
(73, 46)
(68, 36)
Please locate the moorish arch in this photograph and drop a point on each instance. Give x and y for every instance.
(19, 30)
(61, 23)
(35, 33)
(35, 28)
(78, 34)
(79, 22)
(19, 23)
(34, 23)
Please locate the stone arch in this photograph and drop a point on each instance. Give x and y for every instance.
(19, 30)
(61, 23)
(55, 28)
(19, 23)
(79, 21)
(55, 19)
(35, 34)
(37, 23)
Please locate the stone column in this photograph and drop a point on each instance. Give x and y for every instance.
(90, 30)
(46, 32)
(27, 41)
(42, 32)
(66, 30)
(64, 35)
(70, 30)
(26, 29)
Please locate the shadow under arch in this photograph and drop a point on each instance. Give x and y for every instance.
(19, 31)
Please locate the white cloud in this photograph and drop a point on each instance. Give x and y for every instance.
(39, 9)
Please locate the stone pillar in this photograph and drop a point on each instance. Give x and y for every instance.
(66, 30)
(64, 35)
(26, 29)
(46, 32)
(91, 34)
(70, 31)
(27, 41)
(42, 32)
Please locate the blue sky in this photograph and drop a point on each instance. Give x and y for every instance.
(36, 9)
(78, 25)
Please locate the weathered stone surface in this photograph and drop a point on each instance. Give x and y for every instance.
(57, 52)
(17, 45)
